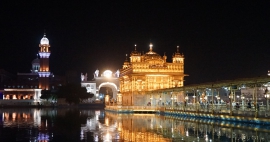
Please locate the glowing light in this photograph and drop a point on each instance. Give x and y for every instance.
(187, 134)
(96, 138)
(151, 45)
(156, 75)
(107, 73)
(106, 121)
(108, 137)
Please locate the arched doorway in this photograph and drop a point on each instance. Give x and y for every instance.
(107, 79)
(108, 88)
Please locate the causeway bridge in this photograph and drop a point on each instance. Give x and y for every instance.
(245, 99)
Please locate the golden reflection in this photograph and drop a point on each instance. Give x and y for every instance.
(145, 127)
(107, 121)
(11, 118)
(14, 115)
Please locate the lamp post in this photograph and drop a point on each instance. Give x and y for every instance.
(194, 98)
(243, 101)
(160, 100)
(175, 100)
(205, 98)
(218, 98)
(186, 98)
(172, 100)
(267, 96)
(231, 98)
(186, 101)
(206, 102)
(151, 100)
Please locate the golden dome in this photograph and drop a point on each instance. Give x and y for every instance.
(151, 54)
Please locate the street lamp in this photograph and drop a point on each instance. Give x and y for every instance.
(172, 99)
(243, 102)
(205, 98)
(175, 100)
(151, 100)
(160, 100)
(267, 96)
(186, 98)
(231, 97)
(218, 98)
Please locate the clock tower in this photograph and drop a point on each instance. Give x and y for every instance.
(44, 71)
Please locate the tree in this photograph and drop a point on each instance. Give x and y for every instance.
(73, 93)
(47, 95)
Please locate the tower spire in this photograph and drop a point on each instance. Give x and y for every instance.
(44, 33)
(151, 46)
(177, 49)
(44, 71)
(135, 47)
(126, 57)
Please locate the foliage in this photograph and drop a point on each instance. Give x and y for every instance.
(48, 94)
(73, 93)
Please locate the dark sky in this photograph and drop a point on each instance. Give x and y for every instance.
(220, 40)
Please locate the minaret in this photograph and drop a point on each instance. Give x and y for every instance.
(126, 63)
(44, 71)
(135, 56)
(178, 57)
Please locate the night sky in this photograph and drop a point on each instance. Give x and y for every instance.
(220, 40)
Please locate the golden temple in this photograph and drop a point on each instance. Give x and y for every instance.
(147, 72)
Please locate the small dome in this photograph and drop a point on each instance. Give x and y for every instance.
(36, 61)
(151, 54)
(135, 52)
(44, 40)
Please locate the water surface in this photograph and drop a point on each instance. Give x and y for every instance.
(88, 125)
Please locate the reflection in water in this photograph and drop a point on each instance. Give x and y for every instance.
(44, 125)
(150, 127)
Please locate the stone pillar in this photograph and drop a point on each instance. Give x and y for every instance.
(107, 99)
(119, 99)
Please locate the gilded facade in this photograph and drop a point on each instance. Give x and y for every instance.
(147, 72)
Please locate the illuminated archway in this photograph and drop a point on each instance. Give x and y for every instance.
(106, 79)
(111, 85)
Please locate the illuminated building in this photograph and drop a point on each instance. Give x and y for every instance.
(44, 71)
(26, 88)
(147, 72)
